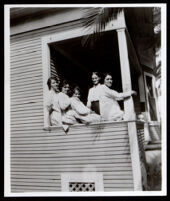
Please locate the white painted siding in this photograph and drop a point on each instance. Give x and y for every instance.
(39, 157)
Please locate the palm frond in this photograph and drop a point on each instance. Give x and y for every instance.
(95, 21)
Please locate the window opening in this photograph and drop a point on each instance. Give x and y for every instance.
(70, 60)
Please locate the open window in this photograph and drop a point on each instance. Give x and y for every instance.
(65, 57)
(74, 62)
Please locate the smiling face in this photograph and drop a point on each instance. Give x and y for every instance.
(66, 88)
(54, 85)
(108, 81)
(95, 79)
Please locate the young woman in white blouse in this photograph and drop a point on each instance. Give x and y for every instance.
(85, 115)
(52, 108)
(93, 95)
(58, 105)
(109, 107)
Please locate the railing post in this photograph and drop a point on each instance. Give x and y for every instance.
(125, 74)
(129, 109)
(135, 156)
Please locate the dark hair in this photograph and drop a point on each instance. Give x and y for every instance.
(64, 82)
(49, 81)
(96, 73)
(106, 74)
(76, 88)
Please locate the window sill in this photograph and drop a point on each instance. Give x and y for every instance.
(98, 124)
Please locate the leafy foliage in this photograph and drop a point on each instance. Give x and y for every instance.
(95, 20)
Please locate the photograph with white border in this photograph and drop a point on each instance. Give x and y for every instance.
(85, 100)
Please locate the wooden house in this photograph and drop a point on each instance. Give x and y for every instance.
(98, 157)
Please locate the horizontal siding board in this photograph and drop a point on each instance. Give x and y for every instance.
(55, 183)
(40, 184)
(24, 51)
(26, 94)
(29, 109)
(122, 142)
(54, 173)
(31, 120)
(102, 145)
(81, 167)
(68, 169)
(27, 80)
(24, 57)
(24, 41)
(49, 160)
(61, 134)
(34, 176)
(104, 149)
(27, 89)
(37, 81)
(25, 69)
(26, 76)
(35, 187)
(55, 160)
(29, 98)
(32, 44)
(72, 160)
(16, 103)
(51, 140)
(29, 115)
(60, 131)
(20, 175)
(107, 185)
(33, 138)
(27, 62)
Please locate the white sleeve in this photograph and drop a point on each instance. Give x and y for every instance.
(64, 101)
(48, 102)
(114, 94)
(79, 107)
(48, 105)
(89, 98)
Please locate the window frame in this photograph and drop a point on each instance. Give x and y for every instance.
(154, 94)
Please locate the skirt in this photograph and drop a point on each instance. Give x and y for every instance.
(95, 107)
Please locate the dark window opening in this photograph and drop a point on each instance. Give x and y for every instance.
(71, 61)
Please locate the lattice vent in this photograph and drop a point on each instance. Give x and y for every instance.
(81, 186)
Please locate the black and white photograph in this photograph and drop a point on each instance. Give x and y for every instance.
(85, 99)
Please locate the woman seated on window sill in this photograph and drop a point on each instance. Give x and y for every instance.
(85, 115)
(109, 107)
(57, 105)
(52, 109)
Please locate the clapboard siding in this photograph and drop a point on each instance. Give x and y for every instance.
(39, 157)
(29, 36)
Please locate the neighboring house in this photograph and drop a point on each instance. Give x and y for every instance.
(99, 157)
